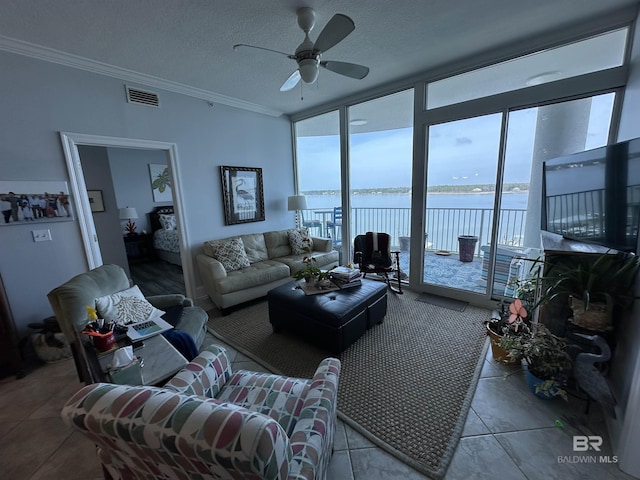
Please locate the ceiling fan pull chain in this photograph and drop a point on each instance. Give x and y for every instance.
(301, 92)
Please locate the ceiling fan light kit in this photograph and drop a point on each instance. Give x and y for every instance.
(308, 54)
(308, 70)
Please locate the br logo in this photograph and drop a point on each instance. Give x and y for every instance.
(583, 443)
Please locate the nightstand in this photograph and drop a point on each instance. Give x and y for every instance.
(139, 247)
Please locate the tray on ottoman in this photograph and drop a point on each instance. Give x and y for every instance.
(332, 320)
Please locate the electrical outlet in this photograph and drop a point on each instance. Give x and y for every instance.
(41, 235)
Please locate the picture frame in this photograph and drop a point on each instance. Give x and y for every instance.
(96, 202)
(242, 194)
(160, 183)
(32, 202)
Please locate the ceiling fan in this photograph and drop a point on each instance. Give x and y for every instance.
(308, 55)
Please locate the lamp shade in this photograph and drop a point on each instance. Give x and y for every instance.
(297, 202)
(127, 213)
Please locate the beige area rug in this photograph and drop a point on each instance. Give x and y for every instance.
(406, 384)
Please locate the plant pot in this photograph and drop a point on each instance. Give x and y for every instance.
(467, 247)
(533, 382)
(499, 353)
(597, 318)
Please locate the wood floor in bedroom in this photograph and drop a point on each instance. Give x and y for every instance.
(157, 277)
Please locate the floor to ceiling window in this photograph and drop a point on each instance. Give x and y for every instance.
(483, 171)
(380, 158)
(467, 176)
(318, 173)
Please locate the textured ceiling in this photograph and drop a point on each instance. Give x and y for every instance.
(190, 42)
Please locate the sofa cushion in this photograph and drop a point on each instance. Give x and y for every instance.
(255, 247)
(259, 273)
(229, 252)
(277, 243)
(323, 260)
(299, 240)
(125, 307)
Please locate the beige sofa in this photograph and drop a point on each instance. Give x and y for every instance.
(271, 264)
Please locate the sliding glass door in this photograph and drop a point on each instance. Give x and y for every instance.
(461, 191)
(483, 202)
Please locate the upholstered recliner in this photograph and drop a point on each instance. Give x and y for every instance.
(69, 302)
(207, 423)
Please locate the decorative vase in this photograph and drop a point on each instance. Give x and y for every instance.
(597, 318)
(499, 353)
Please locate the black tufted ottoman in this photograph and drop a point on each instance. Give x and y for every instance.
(332, 320)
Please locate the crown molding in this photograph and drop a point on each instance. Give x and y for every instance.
(74, 61)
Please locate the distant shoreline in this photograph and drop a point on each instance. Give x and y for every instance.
(477, 189)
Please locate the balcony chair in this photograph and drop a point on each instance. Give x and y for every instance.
(371, 252)
(69, 302)
(311, 223)
(335, 224)
(210, 422)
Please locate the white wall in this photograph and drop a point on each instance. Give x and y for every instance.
(40, 99)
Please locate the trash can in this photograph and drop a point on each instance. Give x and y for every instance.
(467, 246)
(404, 243)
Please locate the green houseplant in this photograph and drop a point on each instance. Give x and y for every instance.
(310, 272)
(511, 320)
(593, 287)
(546, 357)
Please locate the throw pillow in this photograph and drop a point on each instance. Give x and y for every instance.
(229, 252)
(125, 307)
(168, 222)
(299, 240)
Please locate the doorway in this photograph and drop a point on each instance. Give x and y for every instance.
(70, 143)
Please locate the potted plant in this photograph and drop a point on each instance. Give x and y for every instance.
(506, 322)
(593, 287)
(324, 279)
(310, 271)
(546, 357)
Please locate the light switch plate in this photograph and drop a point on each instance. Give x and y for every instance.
(41, 235)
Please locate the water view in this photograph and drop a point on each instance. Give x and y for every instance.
(437, 200)
(448, 215)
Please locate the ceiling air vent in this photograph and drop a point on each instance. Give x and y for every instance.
(141, 97)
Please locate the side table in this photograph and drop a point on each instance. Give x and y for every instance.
(139, 247)
(161, 360)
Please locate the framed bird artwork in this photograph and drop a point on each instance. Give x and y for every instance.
(242, 194)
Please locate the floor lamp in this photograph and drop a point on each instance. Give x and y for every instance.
(297, 203)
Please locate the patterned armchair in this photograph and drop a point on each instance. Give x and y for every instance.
(207, 423)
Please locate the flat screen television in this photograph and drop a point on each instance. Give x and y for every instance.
(594, 196)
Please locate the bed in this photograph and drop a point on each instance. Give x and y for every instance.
(166, 241)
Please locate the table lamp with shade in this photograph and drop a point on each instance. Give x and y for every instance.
(129, 213)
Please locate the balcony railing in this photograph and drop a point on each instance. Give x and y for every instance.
(443, 225)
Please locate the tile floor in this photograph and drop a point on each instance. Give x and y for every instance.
(509, 433)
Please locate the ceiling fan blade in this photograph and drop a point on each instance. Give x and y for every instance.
(334, 32)
(348, 69)
(291, 82)
(244, 45)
